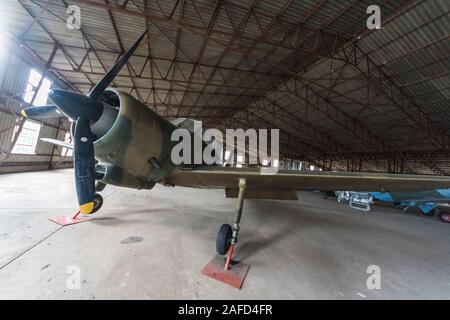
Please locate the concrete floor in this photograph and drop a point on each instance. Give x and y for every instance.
(153, 244)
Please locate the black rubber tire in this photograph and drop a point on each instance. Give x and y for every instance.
(444, 217)
(223, 239)
(98, 202)
(433, 213)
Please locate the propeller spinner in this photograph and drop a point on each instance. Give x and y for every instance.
(84, 110)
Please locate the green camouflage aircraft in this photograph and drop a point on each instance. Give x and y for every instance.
(132, 145)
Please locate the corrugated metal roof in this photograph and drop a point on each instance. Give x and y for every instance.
(207, 59)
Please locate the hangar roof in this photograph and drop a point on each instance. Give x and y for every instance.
(343, 96)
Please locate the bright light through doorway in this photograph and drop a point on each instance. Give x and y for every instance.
(29, 135)
(28, 138)
(4, 43)
(33, 82)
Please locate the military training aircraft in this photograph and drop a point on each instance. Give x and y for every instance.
(427, 201)
(132, 146)
(430, 202)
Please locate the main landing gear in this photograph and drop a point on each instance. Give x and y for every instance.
(227, 237)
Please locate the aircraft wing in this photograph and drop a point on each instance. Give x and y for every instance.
(215, 177)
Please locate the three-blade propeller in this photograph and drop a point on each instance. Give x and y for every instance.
(84, 110)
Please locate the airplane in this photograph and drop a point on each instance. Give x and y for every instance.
(427, 201)
(132, 145)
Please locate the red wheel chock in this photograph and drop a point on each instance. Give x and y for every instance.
(233, 274)
(66, 221)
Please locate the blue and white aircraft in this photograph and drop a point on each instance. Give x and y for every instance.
(427, 201)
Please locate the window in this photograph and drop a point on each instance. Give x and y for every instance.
(33, 82)
(26, 143)
(66, 152)
(28, 138)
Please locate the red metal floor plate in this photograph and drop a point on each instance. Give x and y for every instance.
(66, 221)
(234, 276)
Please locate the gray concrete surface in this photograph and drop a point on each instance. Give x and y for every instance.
(153, 244)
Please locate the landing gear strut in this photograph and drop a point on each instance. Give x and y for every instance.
(228, 236)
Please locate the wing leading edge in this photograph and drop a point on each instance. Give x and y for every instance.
(227, 178)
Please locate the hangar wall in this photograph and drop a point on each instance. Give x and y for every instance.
(14, 73)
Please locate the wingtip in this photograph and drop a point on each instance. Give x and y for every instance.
(23, 113)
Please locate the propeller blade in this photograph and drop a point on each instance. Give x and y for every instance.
(84, 164)
(112, 73)
(84, 110)
(41, 112)
(75, 105)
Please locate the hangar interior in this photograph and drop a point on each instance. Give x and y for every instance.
(345, 98)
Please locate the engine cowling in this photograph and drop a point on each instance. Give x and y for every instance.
(110, 174)
(133, 143)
